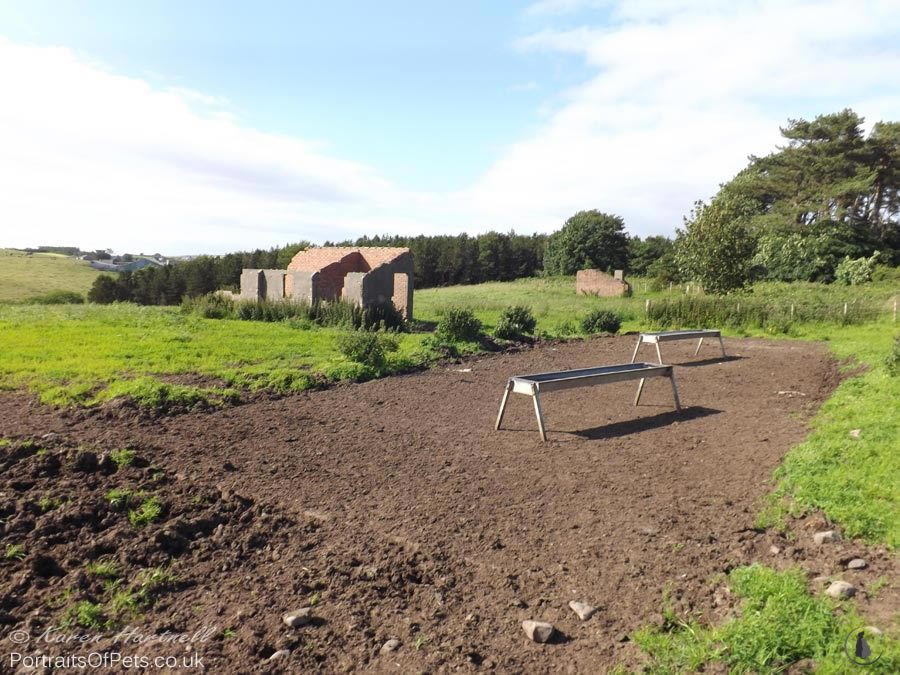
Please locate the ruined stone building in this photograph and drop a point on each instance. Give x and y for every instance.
(362, 274)
(595, 282)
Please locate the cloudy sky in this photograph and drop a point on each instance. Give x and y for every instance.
(219, 126)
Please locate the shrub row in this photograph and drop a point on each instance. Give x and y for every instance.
(336, 313)
(747, 312)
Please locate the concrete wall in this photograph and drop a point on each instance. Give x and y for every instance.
(253, 284)
(595, 282)
(301, 286)
(274, 284)
(378, 285)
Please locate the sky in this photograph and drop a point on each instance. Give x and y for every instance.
(209, 127)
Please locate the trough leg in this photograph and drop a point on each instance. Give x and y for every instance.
(637, 397)
(658, 353)
(502, 406)
(722, 345)
(636, 347)
(699, 344)
(674, 390)
(539, 414)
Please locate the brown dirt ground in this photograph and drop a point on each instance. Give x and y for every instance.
(396, 511)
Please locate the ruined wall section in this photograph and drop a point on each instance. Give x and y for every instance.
(595, 282)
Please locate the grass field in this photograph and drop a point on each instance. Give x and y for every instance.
(88, 354)
(557, 308)
(24, 276)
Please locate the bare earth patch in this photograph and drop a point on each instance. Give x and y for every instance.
(395, 511)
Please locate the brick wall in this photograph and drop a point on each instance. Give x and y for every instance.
(595, 282)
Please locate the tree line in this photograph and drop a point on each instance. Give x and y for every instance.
(588, 239)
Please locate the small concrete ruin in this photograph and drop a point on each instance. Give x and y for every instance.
(595, 282)
(364, 275)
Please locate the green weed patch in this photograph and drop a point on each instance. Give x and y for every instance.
(780, 624)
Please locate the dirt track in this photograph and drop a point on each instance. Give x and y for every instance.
(396, 508)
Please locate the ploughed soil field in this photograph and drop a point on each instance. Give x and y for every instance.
(393, 510)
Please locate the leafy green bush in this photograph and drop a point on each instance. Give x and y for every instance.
(514, 321)
(299, 314)
(853, 272)
(350, 370)
(210, 306)
(601, 321)
(458, 325)
(886, 273)
(366, 347)
(892, 363)
(58, 298)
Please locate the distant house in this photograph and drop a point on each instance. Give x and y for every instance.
(133, 266)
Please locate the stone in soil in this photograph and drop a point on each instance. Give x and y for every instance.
(857, 564)
(826, 537)
(582, 609)
(390, 646)
(841, 590)
(297, 618)
(538, 631)
(280, 654)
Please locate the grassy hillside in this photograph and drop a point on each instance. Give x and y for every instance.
(24, 276)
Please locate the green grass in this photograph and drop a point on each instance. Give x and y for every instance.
(14, 552)
(23, 276)
(780, 624)
(86, 615)
(121, 498)
(148, 512)
(122, 458)
(104, 570)
(853, 480)
(85, 355)
(558, 310)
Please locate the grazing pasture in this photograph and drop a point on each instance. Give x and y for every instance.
(24, 276)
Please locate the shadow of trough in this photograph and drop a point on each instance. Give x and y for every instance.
(645, 423)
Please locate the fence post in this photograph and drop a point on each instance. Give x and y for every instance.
(647, 307)
(792, 311)
(895, 310)
(670, 287)
(845, 309)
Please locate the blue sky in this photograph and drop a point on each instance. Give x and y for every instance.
(207, 127)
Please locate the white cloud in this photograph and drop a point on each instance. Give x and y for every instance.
(682, 94)
(98, 159)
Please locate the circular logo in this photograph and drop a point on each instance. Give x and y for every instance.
(19, 637)
(862, 646)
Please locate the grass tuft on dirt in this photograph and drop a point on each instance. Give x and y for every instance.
(848, 466)
(780, 624)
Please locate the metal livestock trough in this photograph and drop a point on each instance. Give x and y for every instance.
(666, 336)
(534, 385)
